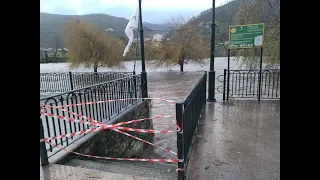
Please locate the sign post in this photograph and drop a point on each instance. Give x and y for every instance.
(246, 36)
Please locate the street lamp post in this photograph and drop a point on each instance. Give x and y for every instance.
(212, 73)
(143, 73)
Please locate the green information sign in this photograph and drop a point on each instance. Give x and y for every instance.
(246, 36)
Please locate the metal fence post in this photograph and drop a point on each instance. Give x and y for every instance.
(43, 150)
(228, 78)
(71, 82)
(144, 84)
(180, 141)
(224, 84)
(211, 86)
(205, 85)
(134, 84)
(260, 75)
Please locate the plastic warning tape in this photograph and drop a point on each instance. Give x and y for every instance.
(90, 119)
(104, 127)
(145, 130)
(107, 100)
(124, 128)
(94, 121)
(142, 140)
(108, 126)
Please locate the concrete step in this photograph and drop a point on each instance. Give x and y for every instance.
(63, 172)
(139, 169)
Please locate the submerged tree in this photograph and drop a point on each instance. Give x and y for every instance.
(57, 44)
(187, 44)
(90, 47)
(267, 12)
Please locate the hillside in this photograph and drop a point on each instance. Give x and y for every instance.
(224, 17)
(224, 13)
(53, 24)
(161, 28)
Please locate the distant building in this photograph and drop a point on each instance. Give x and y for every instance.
(53, 49)
(145, 39)
(109, 30)
(158, 37)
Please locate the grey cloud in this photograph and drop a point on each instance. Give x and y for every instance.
(93, 6)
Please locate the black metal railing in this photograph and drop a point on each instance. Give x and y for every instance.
(123, 88)
(188, 113)
(251, 84)
(68, 81)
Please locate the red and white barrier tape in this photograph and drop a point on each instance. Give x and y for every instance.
(66, 118)
(108, 126)
(41, 113)
(142, 140)
(114, 127)
(106, 100)
(73, 134)
(104, 127)
(85, 131)
(179, 169)
(93, 122)
(145, 130)
(90, 119)
(120, 159)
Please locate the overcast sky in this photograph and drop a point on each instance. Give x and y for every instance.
(153, 11)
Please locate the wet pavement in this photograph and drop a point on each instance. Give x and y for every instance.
(62, 172)
(173, 86)
(237, 141)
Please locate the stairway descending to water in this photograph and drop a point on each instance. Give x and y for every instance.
(141, 169)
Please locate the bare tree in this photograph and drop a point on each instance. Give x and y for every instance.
(57, 43)
(89, 46)
(41, 55)
(46, 57)
(261, 11)
(187, 44)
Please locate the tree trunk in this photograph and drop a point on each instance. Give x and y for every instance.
(181, 62)
(95, 68)
(55, 55)
(42, 58)
(46, 56)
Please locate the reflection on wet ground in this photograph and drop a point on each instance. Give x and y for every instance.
(238, 140)
(173, 86)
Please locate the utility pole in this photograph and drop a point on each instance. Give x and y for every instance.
(212, 73)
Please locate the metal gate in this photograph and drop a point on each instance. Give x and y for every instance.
(264, 84)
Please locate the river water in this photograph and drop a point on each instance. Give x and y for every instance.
(162, 83)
